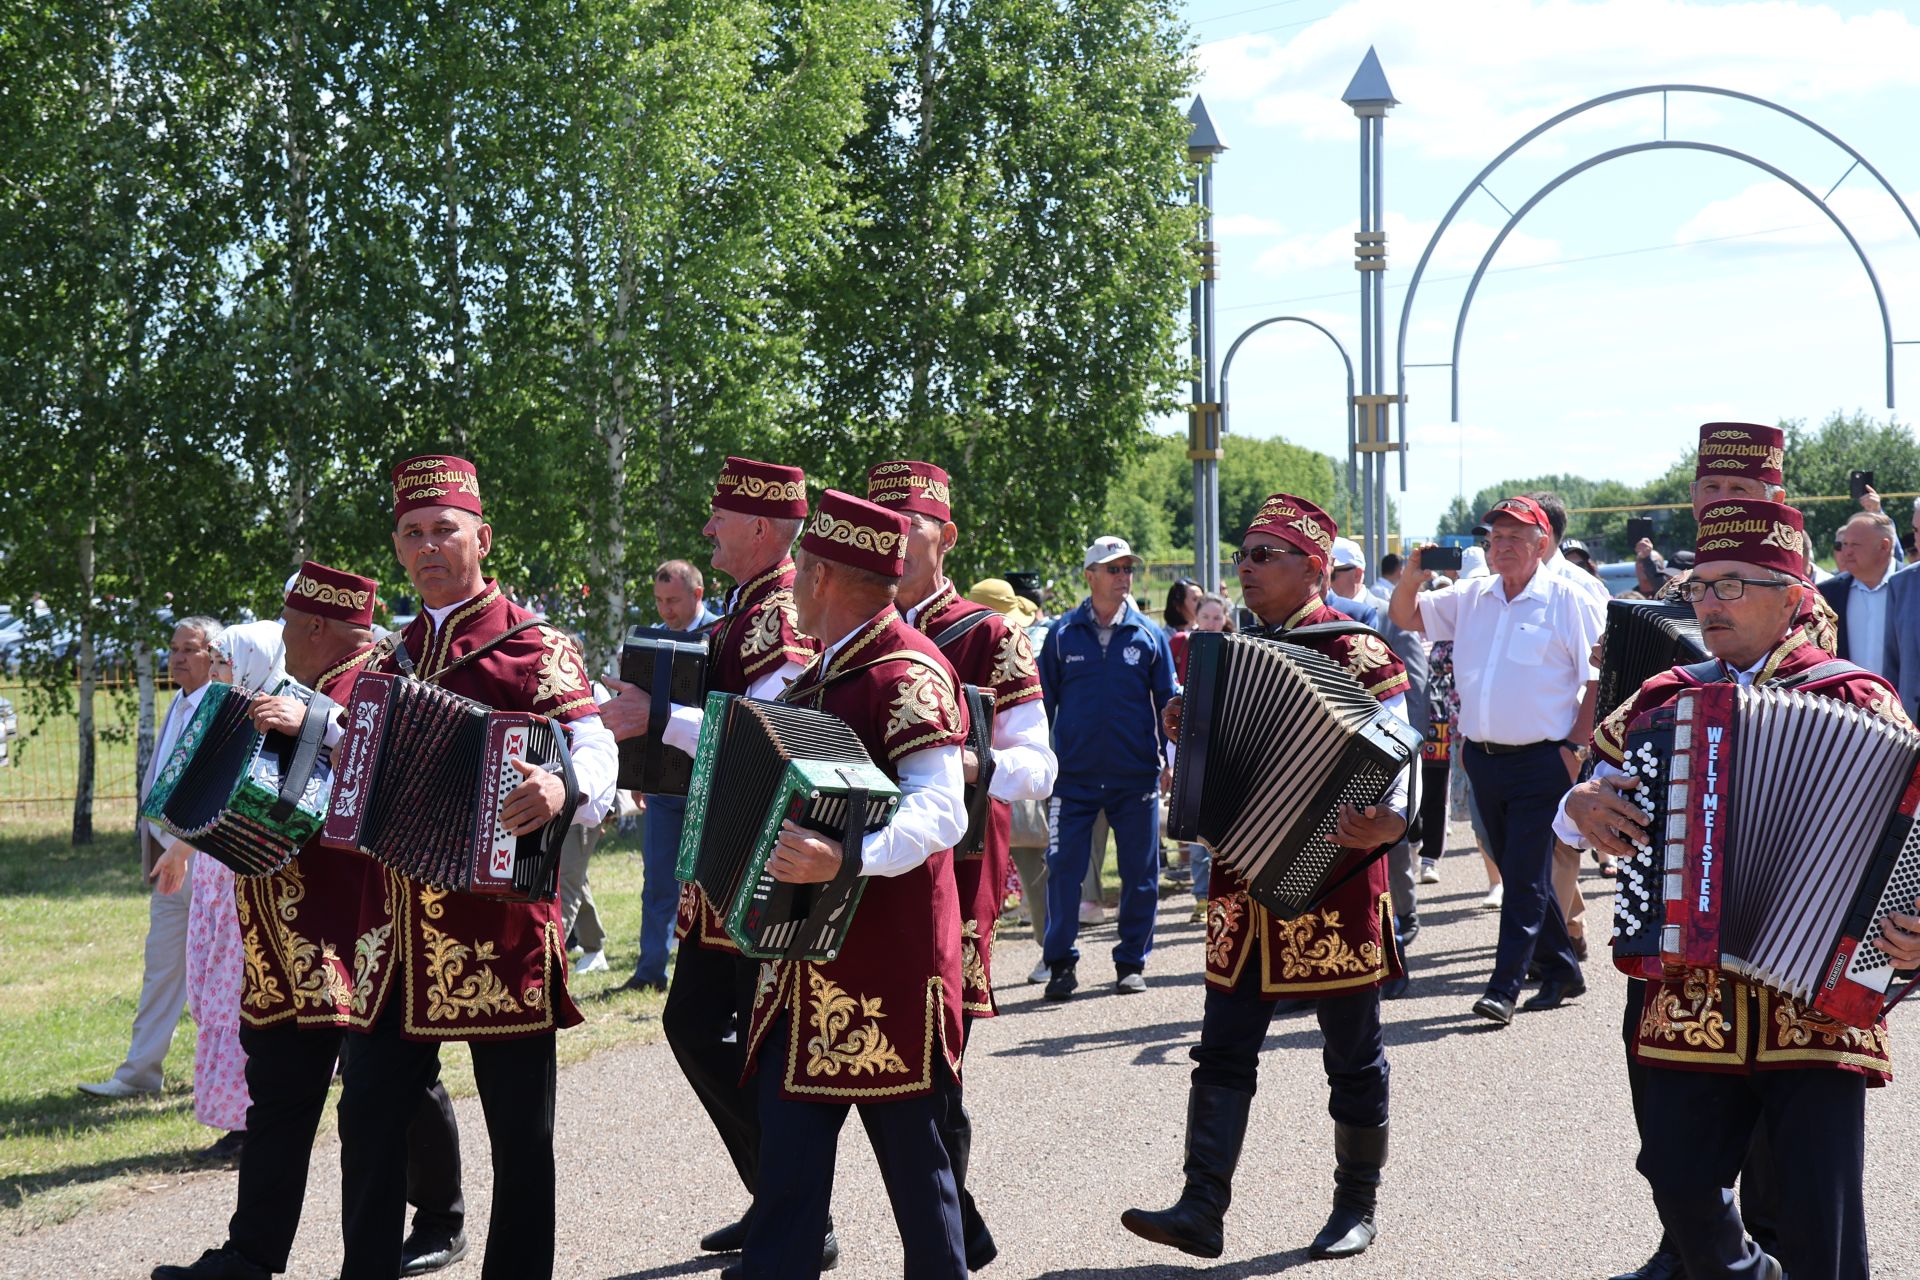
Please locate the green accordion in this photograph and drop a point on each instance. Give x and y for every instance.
(249, 799)
(758, 765)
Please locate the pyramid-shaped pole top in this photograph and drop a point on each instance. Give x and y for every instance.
(1369, 93)
(1205, 140)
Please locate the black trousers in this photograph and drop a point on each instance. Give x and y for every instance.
(1517, 795)
(1234, 1027)
(1435, 776)
(288, 1071)
(800, 1141)
(1698, 1128)
(385, 1077)
(709, 1003)
(956, 1134)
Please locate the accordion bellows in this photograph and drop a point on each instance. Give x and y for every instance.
(247, 798)
(759, 764)
(1274, 738)
(1644, 638)
(1782, 835)
(419, 778)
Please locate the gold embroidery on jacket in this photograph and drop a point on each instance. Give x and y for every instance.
(1303, 955)
(1014, 663)
(1366, 653)
(456, 993)
(776, 612)
(921, 698)
(1688, 1014)
(262, 989)
(865, 1049)
(973, 966)
(561, 671)
(1223, 922)
(1799, 1025)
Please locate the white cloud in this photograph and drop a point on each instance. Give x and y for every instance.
(1476, 75)
(1465, 242)
(1771, 213)
(1246, 224)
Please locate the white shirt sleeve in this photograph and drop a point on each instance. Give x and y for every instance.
(596, 769)
(932, 814)
(683, 724)
(1024, 766)
(1396, 799)
(1563, 826)
(1588, 621)
(1440, 611)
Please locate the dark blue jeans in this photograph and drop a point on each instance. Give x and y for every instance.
(1133, 815)
(659, 891)
(1516, 795)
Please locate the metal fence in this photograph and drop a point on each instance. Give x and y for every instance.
(40, 777)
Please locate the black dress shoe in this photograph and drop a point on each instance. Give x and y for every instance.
(215, 1264)
(423, 1253)
(829, 1259)
(1494, 1009)
(637, 983)
(1555, 992)
(1406, 928)
(226, 1151)
(728, 1239)
(1063, 983)
(1663, 1265)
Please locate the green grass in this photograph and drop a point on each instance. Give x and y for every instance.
(36, 788)
(72, 927)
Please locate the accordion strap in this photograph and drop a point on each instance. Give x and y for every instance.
(833, 895)
(395, 646)
(1326, 631)
(1712, 671)
(960, 628)
(898, 655)
(306, 753)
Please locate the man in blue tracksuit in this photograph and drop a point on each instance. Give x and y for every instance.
(1106, 672)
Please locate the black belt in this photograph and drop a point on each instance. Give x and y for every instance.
(1513, 749)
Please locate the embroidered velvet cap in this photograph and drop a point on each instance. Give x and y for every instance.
(853, 531)
(1525, 510)
(1741, 449)
(911, 487)
(761, 489)
(1299, 522)
(435, 480)
(1769, 534)
(332, 593)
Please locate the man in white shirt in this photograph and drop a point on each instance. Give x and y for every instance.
(1521, 639)
(1863, 552)
(164, 862)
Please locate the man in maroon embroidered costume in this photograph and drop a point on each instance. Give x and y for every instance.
(307, 975)
(878, 1027)
(464, 967)
(1336, 956)
(990, 653)
(756, 650)
(1720, 1056)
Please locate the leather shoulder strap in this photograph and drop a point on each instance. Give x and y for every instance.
(960, 628)
(484, 649)
(1819, 673)
(899, 655)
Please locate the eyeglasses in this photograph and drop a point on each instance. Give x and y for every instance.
(1263, 553)
(1693, 591)
(1117, 569)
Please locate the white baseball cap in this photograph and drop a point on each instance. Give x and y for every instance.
(1107, 549)
(1346, 554)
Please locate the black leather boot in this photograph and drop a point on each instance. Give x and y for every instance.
(1216, 1126)
(1357, 1156)
(1665, 1264)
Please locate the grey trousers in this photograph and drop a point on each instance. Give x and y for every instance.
(1401, 879)
(1032, 865)
(578, 915)
(163, 988)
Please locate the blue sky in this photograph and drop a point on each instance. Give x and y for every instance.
(1642, 298)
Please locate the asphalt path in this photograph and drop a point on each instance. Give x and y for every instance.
(1512, 1150)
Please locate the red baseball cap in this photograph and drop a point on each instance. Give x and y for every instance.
(1525, 510)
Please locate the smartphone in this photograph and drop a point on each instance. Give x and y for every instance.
(1638, 527)
(1859, 482)
(1440, 558)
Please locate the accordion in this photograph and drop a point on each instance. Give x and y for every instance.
(420, 776)
(1274, 738)
(250, 799)
(980, 704)
(670, 667)
(1764, 860)
(1644, 638)
(760, 764)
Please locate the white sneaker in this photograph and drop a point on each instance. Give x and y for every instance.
(1042, 972)
(1132, 984)
(1429, 871)
(1092, 913)
(115, 1088)
(591, 962)
(1495, 896)
(575, 951)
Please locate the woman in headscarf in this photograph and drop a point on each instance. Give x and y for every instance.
(251, 656)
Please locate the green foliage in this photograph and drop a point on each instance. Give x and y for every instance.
(1151, 504)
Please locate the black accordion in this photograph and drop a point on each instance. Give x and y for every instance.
(419, 779)
(670, 667)
(760, 764)
(1274, 738)
(249, 799)
(1644, 638)
(979, 705)
(1782, 833)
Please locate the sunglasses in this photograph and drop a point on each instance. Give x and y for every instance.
(1263, 553)
(1117, 569)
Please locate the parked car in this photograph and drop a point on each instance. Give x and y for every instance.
(1619, 577)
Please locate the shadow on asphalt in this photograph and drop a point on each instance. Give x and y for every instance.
(1271, 1265)
(711, 1264)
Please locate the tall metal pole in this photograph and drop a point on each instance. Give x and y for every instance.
(1370, 97)
(1203, 423)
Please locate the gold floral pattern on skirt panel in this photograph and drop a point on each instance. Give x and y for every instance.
(837, 1044)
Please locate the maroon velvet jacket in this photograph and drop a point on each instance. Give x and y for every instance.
(757, 636)
(876, 1022)
(991, 655)
(1343, 944)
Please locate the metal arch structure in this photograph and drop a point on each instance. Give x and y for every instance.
(1479, 184)
(1226, 370)
(1486, 260)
